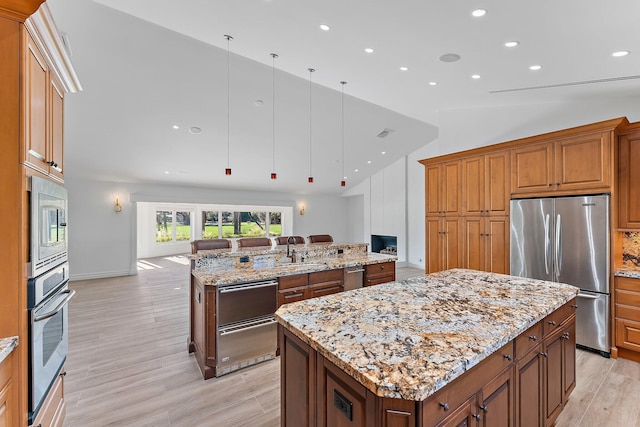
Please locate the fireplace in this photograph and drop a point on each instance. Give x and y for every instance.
(384, 244)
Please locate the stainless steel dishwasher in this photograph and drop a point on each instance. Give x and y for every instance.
(353, 277)
(246, 325)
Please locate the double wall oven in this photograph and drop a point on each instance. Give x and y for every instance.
(48, 293)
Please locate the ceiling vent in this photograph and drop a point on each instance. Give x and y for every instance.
(384, 133)
(584, 82)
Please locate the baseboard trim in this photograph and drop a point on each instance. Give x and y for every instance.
(411, 265)
(100, 275)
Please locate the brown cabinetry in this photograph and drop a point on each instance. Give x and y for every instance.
(8, 398)
(54, 408)
(43, 113)
(485, 184)
(443, 243)
(627, 316)
(443, 189)
(629, 179)
(376, 274)
(486, 243)
(578, 163)
(303, 286)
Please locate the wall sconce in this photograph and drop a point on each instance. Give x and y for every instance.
(118, 206)
(302, 210)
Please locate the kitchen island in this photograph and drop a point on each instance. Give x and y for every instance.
(234, 295)
(459, 346)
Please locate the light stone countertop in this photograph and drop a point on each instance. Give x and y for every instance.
(627, 272)
(224, 275)
(409, 339)
(6, 346)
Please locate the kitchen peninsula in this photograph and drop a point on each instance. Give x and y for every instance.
(234, 295)
(459, 346)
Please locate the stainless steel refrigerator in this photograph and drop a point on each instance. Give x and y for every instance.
(566, 239)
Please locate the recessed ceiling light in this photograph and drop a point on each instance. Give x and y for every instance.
(535, 67)
(620, 53)
(384, 152)
(166, 172)
(479, 12)
(404, 69)
(325, 27)
(356, 170)
(259, 103)
(475, 76)
(175, 127)
(512, 43)
(432, 83)
(369, 161)
(195, 130)
(368, 50)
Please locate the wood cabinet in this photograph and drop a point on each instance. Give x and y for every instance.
(629, 179)
(529, 387)
(443, 189)
(627, 317)
(54, 408)
(443, 243)
(299, 287)
(578, 163)
(486, 244)
(376, 274)
(8, 397)
(485, 184)
(43, 113)
(293, 288)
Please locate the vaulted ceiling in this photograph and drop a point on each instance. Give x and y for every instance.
(149, 65)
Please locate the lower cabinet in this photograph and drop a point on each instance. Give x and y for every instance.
(627, 317)
(9, 415)
(559, 351)
(54, 408)
(304, 286)
(376, 274)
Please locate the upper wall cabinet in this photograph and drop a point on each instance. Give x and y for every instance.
(443, 189)
(629, 178)
(485, 184)
(568, 165)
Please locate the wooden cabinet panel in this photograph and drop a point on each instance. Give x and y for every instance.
(629, 179)
(528, 340)
(433, 243)
(463, 416)
(473, 186)
(628, 334)
(486, 244)
(443, 189)
(294, 281)
(583, 162)
(53, 409)
(559, 351)
(497, 183)
(345, 401)
(433, 190)
(298, 378)
(376, 274)
(452, 243)
(9, 413)
(532, 168)
(529, 388)
(497, 401)
(292, 295)
(56, 156)
(569, 358)
(474, 243)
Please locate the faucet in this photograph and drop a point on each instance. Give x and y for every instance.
(290, 239)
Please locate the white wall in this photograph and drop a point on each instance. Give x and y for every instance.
(102, 243)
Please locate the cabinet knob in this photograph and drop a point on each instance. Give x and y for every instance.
(476, 416)
(533, 338)
(63, 373)
(552, 323)
(565, 336)
(485, 409)
(574, 305)
(544, 354)
(444, 406)
(508, 357)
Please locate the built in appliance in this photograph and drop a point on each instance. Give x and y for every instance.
(384, 244)
(48, 296)
(48, 226)
(246, 325)
(566, 239)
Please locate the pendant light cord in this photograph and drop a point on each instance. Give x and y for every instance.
(343, 83)
(273, 109)
(311, 70)
(229, 38)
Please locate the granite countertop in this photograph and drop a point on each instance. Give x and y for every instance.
(633, 273)
(225, 275)
(6, 346)
(409, 339)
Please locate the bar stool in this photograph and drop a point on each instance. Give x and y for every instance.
(251, 242)
(208, 244)
(282, 240)
(320, 238)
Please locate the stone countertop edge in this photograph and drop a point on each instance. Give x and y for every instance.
(436, 365)
(215, 277)
(7, 345)
(630, 273)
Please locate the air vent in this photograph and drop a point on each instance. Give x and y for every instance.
(384, 133)
(66, 43)
(584, 82)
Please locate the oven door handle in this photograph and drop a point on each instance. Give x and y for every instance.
(247, 287)
(59, 307)
(231, 331)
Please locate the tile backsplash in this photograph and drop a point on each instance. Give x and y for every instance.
(631, 250)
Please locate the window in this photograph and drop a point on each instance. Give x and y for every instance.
(173, 226)
(164, 226)
(210, 225)
(275, 224)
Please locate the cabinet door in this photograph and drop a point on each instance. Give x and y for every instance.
(452, 188)
(473, 186)
(433, 243)
(583, 162)
(464, 415)
(497, 191)
(474, 243)
(35, 98)
(529, 389)
(433, 189)
(497, 401)
(8, 414)
(297, 379)
(496, 235)
(629, 174)
(553, 373)
(452, 244)
(56, 156)
(569, 358)
(532, 168)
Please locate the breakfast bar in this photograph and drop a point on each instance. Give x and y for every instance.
(447, 348)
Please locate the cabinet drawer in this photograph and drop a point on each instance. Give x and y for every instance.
(529, 339)
(292, 295)
(295, 281)
(384, 267)
(53, 409)
(380, 279)
(628, 298)
(326, 276)
(5, 370)
(628, 284)
(558, 317)
(628, 334)
(326, 288)
(628, 313)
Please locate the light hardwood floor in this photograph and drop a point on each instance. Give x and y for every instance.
(128, 364)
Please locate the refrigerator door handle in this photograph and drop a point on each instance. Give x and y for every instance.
(587, 296)
(558, 245)
(547, 243)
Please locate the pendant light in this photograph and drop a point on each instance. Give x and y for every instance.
(310, 179)
(273, 110)
(227, 171)
(343, 182)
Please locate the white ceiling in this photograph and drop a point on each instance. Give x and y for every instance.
(148, 64)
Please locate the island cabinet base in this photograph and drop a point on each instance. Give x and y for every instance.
(526, 382)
